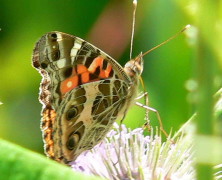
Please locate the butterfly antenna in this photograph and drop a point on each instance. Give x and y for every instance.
(164, 42)
(133, 27)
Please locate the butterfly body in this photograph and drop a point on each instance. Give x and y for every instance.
(83, 91)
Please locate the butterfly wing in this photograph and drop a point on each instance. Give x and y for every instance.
(83, 121)
(83, 92)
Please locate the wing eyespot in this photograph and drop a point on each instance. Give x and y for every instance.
(72, 113)
(72, 141)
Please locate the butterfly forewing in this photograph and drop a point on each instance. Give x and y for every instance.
(83, 92)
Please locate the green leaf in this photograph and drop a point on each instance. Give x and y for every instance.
(17, 163)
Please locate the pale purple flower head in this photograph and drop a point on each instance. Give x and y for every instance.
(132, 155)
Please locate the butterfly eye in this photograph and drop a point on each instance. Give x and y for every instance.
(71, 113)
(72, 141)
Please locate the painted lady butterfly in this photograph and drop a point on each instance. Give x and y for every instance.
(83, 91)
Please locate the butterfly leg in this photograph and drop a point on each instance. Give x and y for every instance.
(147, 108)
(145, 95)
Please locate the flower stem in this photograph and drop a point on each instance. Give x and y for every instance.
(205, 74)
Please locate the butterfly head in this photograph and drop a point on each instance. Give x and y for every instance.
(134, 67)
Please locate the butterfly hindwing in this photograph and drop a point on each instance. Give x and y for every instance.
(82, 122)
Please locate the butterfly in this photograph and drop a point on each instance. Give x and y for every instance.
(83, 92)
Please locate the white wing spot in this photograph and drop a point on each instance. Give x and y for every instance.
(61, 63)
(69, 84)
(74, 50)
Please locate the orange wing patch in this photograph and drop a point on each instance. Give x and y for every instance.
(97, 62)
(69, 83)
(106, 73)
(99, 69)
(48, 119)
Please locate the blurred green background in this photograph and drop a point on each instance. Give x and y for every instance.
(107, 24)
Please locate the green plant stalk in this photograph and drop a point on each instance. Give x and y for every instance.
(205, 64)
(205, 90)
(204, 119)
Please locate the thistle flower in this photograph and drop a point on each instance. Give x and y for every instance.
(218, 174)
(130, 155)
